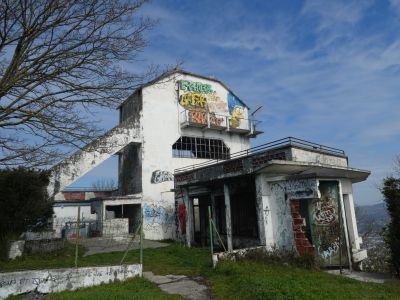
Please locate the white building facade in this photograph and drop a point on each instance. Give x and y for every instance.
(184, 119)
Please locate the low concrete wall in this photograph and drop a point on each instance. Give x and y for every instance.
(44, 246)
(57, 280)
(233, 255)
(42, 235)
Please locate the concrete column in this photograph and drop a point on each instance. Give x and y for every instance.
(351, 220)
(260, 210)
(189, 217)
(214, 218)
(228, 216)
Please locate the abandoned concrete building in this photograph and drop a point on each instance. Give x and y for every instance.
(183, 144)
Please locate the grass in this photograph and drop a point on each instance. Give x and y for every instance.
(135, 288)
(245, 279)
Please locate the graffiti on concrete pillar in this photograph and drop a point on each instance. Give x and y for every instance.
(159, 176)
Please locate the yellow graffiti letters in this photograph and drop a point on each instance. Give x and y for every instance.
(193, 100)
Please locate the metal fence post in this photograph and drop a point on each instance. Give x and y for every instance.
(141, 237)
(77, 236)
(211, 233)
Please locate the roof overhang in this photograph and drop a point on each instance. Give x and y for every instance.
(293, 168)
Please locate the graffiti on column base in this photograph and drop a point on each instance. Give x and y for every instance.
(159, 176)
(332, 250)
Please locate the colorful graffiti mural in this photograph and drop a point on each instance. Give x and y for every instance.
(211, 106)
(236, 110)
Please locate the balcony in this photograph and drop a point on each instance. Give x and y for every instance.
(206, 120)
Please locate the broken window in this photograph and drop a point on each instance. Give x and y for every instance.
(198, 147)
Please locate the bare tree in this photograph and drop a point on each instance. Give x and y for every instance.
(61, 59)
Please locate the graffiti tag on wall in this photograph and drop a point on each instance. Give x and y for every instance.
(158, 214)
(158, 218)
(324, 214)
(200, 117)
(300, 188)
(159, 176)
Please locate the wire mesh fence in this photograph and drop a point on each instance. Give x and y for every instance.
(77, 238)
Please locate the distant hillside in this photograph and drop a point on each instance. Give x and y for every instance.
(375, 216)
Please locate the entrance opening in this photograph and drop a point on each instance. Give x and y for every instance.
(125, 211)
(243, 216)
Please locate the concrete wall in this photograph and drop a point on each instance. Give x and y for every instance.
(57, 280)
(161, 129)
(316, 157)
(116, 228)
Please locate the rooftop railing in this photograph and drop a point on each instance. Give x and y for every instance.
(285, 142)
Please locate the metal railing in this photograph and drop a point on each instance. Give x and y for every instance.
(281, 143)
(212, 120)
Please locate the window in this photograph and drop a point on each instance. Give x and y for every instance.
(197, 147)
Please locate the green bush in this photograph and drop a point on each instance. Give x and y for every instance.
(391, 193)
(23, 201)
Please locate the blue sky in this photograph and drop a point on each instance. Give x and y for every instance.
(324, 71)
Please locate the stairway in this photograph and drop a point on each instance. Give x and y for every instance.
(92, 155)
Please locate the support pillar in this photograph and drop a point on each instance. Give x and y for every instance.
(189, 217)
(228, 217)
(214, 217)
(260, 210)
(351, 220)
(346, 235)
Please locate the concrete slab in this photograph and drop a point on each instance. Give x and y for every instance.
(159, 279)
(189, 288)
(362, 276)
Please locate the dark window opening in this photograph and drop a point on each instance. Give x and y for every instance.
(197, 147)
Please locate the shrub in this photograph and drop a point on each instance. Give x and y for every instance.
(391, 193)
(23, 202)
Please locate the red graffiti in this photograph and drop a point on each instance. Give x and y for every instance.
(182, 218)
